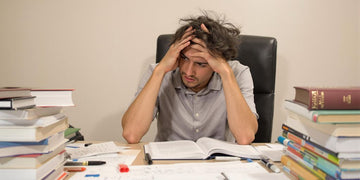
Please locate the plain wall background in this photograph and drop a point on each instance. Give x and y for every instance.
(102, 47)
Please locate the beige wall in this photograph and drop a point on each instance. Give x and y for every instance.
(101, 48)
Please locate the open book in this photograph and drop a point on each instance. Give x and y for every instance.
(203, 148)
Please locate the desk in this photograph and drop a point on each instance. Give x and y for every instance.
(140, 159)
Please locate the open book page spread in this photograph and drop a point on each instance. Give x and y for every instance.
(212, 146)
(182, 149)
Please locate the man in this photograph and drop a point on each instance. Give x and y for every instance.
(195, 91)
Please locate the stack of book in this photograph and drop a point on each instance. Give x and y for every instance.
(322, 133)
(32, 140)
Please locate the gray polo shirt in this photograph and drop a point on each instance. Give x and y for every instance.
(184, 114)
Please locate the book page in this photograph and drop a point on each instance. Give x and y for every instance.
(212, 146)
(182, 149)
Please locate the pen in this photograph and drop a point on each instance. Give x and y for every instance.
(85, 163)
(225, 177)
(270, 166)
(148, 158)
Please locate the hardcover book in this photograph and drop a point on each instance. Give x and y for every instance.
(328, 98)
(53, 97)
(324, 116)
(203, 148)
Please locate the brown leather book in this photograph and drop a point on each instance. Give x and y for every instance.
(328, 97)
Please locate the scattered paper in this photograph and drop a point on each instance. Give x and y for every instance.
(94, 149)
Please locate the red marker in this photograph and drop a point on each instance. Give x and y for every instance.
(74, 169)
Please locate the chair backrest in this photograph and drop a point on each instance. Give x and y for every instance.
(259, 54)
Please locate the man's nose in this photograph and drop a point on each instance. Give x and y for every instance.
(189, 69)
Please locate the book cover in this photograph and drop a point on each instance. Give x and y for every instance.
(328, 97)
(8, 92)
(53, 97)
(324, 116)
(15, 103)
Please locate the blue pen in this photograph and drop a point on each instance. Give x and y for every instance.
(92, 175)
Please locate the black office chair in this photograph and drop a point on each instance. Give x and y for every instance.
(259, 54)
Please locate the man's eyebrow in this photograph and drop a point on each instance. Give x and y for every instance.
(183, 56)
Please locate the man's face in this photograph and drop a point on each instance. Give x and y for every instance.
(195, 71)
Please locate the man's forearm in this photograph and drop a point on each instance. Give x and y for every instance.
(242, 121)
(137, 119)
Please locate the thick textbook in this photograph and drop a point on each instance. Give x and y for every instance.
(24, 102)
(53, 97)
(203, 148)
(32, 133)
(29, 114)
(328, 97)
(324, 116)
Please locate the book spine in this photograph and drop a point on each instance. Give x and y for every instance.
(298, 170)
(321, 151)
(315, 170)
(314, 161)
(334, 99)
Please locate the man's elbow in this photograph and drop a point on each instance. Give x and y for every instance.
(245, 140)
(131, 138)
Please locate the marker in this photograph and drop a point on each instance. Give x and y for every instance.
(85, 163)
(74, 169)
(92, 175)
(148, 158)
(270, 166)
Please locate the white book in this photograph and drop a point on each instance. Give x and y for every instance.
(336, 144)
(203, 148)
(42, 121)
(29, 114)
(32, 133)
(34, 174)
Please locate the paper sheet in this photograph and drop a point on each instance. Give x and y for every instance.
(94, 149)
(188, 171)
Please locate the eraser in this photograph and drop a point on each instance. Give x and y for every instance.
(123, 168)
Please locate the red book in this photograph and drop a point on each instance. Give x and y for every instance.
(328, 97)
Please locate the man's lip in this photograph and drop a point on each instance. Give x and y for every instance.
(189, 79)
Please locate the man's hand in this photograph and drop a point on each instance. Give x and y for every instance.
(216, 62)
(170, 60)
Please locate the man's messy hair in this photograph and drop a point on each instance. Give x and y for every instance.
(222, 39)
